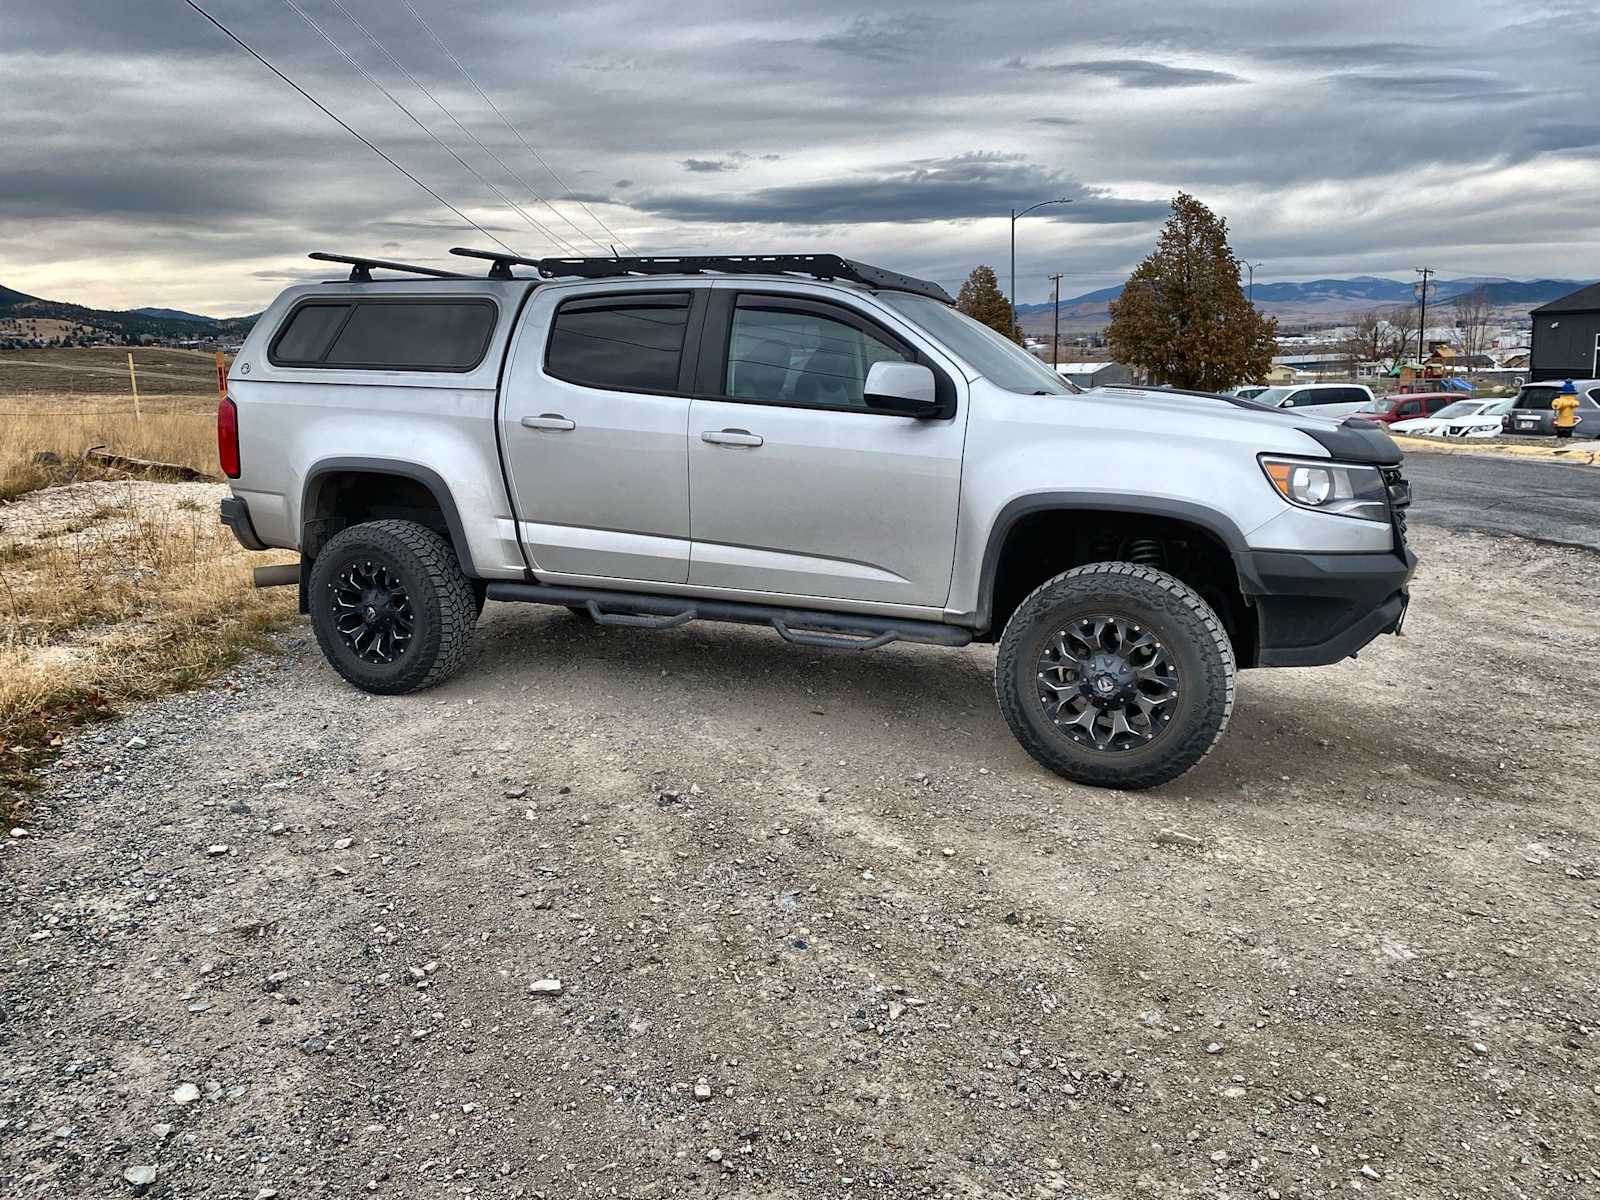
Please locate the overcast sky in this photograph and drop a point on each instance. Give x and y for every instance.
(147, 160)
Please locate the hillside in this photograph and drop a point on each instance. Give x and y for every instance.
(157, 322)
(1321, 299)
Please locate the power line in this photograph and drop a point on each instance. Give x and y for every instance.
(556, 238)
(428, 29)
(243, 45)
(437, 103)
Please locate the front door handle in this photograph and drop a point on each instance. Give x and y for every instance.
(553, 421)
(731, 437)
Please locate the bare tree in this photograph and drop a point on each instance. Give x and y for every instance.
(1368, 341)
(1473, 312)
(1401, 343)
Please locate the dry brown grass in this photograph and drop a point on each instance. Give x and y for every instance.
(178, 429)
(115, 592)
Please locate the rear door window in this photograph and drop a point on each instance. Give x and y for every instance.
(627, 343)
(387, 335)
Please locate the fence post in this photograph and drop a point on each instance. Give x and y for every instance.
(133, 382)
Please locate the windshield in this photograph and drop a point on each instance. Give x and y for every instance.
(1273, 397)
(1380, 405)
(1001, 361)
(1461, 408)
(1498, 408)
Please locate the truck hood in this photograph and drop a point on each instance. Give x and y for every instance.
(1348, 438)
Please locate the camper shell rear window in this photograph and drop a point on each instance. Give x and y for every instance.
(422, 333)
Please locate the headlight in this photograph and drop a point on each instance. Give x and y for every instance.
(1348, 491)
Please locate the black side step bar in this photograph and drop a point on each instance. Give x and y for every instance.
(803, 627)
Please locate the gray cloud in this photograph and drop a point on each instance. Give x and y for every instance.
(708, 166)
(1131, 72)
(962, 188)
(1435, 86)
(147, 161)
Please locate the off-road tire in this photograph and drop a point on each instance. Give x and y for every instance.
(1185, 624)
(444, 606)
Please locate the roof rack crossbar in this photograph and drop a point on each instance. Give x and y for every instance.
(817, 266)
(499, 264)
(361, 268)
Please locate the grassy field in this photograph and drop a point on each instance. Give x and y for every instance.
(114, 586)
(98, 376)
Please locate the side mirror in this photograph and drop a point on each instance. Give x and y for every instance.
(905, 389)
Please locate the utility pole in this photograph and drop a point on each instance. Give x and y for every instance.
(1055, 331)
(1422, 319)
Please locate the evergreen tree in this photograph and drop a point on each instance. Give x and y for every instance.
(1182, 316)
(981, 299)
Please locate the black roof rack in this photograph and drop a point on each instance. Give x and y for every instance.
(817, 266)
(361, 268)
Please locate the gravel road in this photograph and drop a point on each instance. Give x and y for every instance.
(821, 928)
(1505, 495)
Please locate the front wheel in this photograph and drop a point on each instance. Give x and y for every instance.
(1116, 675)
(390, 606)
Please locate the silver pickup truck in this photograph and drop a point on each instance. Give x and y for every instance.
(808, 443)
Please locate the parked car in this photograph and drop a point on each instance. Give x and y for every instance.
(1434, 424)
(1408, 407)
(807, 443)
(1319, 399)
(1531, 412)
(1485, 424)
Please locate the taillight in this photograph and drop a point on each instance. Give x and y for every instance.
(228, 437)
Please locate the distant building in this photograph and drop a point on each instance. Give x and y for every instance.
(1566, 337)
(1279, 375)
(1095, 374)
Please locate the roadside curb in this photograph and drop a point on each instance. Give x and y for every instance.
(1572, 457)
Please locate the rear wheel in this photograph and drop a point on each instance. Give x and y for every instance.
(1116, 675)
(390, 606)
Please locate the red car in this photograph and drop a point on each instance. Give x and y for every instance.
(1403, 406)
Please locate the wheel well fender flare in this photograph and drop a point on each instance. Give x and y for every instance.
(1218, 524)
(416, 472)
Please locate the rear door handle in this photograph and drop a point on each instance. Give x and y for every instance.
(553, 421)
(731, 437)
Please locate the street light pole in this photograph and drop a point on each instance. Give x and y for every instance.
(1055, 328)
(1014, 215)
(1251, 267)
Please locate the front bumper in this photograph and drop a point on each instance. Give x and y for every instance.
(1316, 609)
(236, 516)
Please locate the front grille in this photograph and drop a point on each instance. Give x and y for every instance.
(1399, 499)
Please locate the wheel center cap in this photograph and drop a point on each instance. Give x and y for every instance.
(1104, 684)
(372, 613)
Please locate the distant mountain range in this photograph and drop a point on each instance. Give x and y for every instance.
(1323, 298)
(157, 322)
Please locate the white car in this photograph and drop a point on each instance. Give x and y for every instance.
(1317, 399)
(1486, 423)
(1434, 426)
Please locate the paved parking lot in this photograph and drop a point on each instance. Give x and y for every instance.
(1533, 498)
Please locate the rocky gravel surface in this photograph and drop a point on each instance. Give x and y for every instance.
(615, 913)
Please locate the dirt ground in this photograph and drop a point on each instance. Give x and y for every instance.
(821, 928)
(99, 374)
